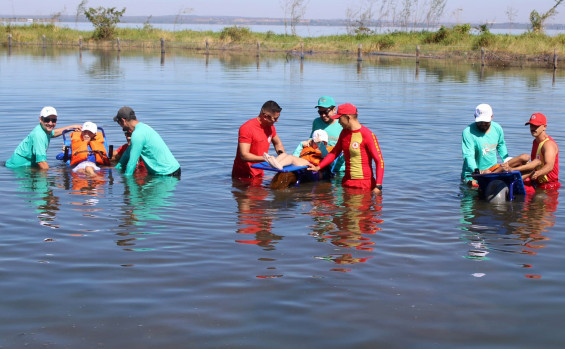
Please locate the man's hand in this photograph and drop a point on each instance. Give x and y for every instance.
(313, 168)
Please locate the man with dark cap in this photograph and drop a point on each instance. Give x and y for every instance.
(540, 168)
(147, 144)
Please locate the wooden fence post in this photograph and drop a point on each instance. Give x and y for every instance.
(162, 46)
(9, 40)
(554, 58)
(43, 38)
(482, 56)
(359, 54)
(417, 54)
(119, 45)
(207, 47)
(258, 49)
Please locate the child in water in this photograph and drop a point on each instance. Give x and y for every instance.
(313, 152)
(88, 150)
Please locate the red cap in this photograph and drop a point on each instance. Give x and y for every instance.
(537, 119)
(345, 109)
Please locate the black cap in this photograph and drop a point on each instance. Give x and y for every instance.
(125, 113)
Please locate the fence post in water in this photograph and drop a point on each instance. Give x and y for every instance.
(258, 49)
(417, 54)
(162, 46)
(119, 46)
(482, 56)
(301, 51)
(359, 57)
(554, 58)
(80, 43)
(207, 47)
(43, 38)
(9, 40)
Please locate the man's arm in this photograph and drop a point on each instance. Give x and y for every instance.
(59, 131)
(246, 155)
(501, 146)
(468, 148)
(277, 143)
(43, 165)
(375, 152)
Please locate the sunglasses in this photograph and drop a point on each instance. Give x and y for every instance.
(48, 120)
(325, 111)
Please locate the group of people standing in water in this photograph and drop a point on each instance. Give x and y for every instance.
(145, 149)
(484, 139)
(337, 138)
(338, 124)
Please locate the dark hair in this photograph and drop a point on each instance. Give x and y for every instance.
(125, 113)
(271, 106)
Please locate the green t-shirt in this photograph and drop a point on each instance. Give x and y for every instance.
(480, 149)
(32, 149)
(147, 143)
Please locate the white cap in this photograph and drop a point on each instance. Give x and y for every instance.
(47, 111)
(483, 113)
(90, 126)
(320, 136)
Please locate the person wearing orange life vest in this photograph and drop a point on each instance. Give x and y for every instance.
(313, 152)
(540, 168)
(88, 150)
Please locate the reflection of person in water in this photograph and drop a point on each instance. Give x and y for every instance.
(491, 229)
(40, 185)
(253, 216)
(347, 220)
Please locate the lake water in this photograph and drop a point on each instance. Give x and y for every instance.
(204, 262)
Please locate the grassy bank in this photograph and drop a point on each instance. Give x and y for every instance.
(446, 42)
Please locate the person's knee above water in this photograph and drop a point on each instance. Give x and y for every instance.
(88, 149)
(480, 143)
(326, 108)
(540, 168)
(254, 139)
(32, 150)
(360, 149)
(147, 144)
(314, 150)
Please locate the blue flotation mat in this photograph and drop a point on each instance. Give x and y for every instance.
(290, 168)
(513, 180)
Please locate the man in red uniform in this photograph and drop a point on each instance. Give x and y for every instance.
(541, 167)
(360, 148)
(254, 139)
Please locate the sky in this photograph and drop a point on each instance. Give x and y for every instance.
(457, 11)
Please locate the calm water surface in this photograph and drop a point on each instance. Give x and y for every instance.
(204, 262)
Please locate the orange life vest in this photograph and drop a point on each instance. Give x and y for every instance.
(80, 149)
(313, 155)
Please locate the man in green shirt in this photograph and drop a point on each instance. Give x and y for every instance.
(481, 141)
(326, 109)
(147, 144)
(32, 151)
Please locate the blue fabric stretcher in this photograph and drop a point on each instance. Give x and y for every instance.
(266, 166)
(512, 179)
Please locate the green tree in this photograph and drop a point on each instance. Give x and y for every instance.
(104, 21)
(537, 20)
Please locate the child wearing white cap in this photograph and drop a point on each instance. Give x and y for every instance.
(88, 150)
(313, 152)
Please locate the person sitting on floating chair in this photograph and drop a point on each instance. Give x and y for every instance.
(88, 150)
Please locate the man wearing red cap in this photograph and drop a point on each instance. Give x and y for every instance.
(541, 167)
(360, 148)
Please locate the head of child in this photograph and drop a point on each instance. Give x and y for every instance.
(320, 136)
(89, 131)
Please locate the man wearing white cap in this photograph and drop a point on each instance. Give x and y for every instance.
(32, 151)
(481, 141)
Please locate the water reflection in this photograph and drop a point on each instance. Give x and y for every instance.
(37, 187)
(514, 227)
(347, 219)
(254, 215)
(107, 66)
(88, 190)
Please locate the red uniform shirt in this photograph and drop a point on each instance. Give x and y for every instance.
(360, 148)
(552, 178)
(259, 137)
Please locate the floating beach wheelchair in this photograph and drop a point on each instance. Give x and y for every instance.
(500, 187)
(95, 155)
